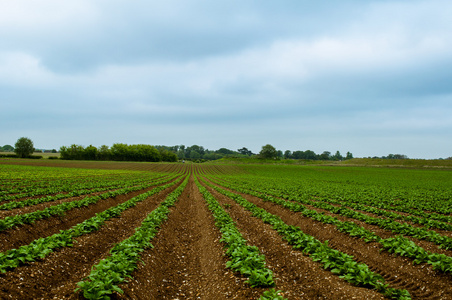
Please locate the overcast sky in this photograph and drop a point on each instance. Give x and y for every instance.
(369, 77)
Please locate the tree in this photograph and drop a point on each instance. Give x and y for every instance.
(8, 148)
(287, 154)
(167, 155)
(195, 154)
(326, 155)
(245, 151)
(338, 156)
(181, 154)
(103, 152)
(309, 154)
(24, 147)
(268, 151)
(199, 149)
(224, 151)
(349, 155)
(90, 153)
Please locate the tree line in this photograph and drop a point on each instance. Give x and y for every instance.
(117, 152)
(141, 152)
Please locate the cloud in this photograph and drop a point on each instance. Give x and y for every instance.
(22, 69)
(250, 71)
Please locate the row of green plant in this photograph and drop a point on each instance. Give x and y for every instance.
(320, 188)
(61, 208)
(42, 247)
(398, 245)
(422, 217)
(337, 262)
(384, 223)
(243, 258)
(20, 173)
(62, 186)
(21, 180)
(77, 192)
(106, 276)
(404, 190)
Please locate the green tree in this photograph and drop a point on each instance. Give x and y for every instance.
(224, 151)
(309, 154)
(90, 153)
(245, 151)
(326, 155)
(349, 155)
(338, 156)
(195, 154)
(287, 154)
(8, 148)
(269, 152)
(167, 155)
(24, 147)
(181, 154)
(199, 149)
(103, 152)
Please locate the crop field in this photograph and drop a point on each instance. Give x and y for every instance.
(112, 230)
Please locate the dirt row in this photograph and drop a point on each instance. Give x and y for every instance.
(420, 280)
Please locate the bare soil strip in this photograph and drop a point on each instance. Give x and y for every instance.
(56, 276)
(420, 280)
(187, 261)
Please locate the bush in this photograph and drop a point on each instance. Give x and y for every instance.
(8, 155)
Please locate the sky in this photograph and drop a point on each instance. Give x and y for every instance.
(370, 77)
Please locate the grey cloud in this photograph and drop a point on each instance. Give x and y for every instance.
(300, 75)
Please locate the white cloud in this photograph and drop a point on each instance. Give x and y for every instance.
(24, 15)
(22, 69)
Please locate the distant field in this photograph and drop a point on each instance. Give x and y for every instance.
(372, 162)
(418, 163)
(44, 155)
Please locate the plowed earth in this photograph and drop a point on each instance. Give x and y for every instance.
(188, 262)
